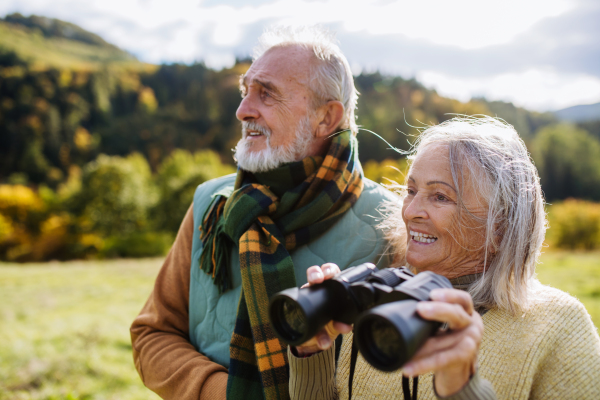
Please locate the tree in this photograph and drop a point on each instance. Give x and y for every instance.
(568, 161)
(116, 194)
(177, 179)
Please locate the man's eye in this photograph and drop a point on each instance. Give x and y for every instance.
(410, 191)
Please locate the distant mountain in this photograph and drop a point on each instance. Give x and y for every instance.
(526, 122)
(47, 42)
(581, 113)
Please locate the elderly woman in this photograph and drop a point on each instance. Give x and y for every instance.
(473, 211)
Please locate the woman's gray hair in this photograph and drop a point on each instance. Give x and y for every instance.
(331, 76)
(503, 174)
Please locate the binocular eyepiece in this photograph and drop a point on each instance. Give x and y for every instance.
(380, 303)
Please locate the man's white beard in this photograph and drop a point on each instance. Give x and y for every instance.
(272, 157)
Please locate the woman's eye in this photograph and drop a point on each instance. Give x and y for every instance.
(440, 197)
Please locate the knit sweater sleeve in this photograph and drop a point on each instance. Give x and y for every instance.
(164, 357)
(570, 367)
(476, 389)
(314, 378)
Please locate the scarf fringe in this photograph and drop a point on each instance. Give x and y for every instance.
(216, 255)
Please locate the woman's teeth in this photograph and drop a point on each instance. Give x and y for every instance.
(422, 237)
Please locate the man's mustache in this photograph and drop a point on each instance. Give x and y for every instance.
(253, 126)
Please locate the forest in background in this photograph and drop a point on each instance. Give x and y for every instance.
(100, 153)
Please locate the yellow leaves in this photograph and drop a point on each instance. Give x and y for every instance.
(386, 172)
(54, 224)
(574, 224)
(471, 108)
(6, 228)
(129, 82)
(146, 100)
(65, 78)
(90, 240)
(55, 174)
(72, 185)
(82, 139)
(18, 200)
(12, 72)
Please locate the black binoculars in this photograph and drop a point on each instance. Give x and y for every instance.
(380, 303)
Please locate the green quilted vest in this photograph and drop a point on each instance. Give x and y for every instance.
(351, 241)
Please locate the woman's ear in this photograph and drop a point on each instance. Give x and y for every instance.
(330, 117)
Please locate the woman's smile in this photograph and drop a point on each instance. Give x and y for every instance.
(422, 238)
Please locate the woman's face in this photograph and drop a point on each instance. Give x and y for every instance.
(437, 240)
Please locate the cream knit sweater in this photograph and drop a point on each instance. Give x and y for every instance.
(552, 351)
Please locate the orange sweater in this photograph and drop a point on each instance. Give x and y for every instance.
(164, 357)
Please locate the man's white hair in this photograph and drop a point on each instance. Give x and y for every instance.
(503, 175)
(330, 75)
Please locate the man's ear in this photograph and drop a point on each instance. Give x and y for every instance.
(330, 116)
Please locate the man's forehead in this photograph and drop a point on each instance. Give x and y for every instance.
(279, 66)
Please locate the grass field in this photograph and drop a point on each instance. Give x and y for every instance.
(64, 327)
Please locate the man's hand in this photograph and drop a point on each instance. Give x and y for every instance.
(325, 337)
(451, 355)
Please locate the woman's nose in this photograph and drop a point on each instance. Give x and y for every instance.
(247, 110)
(415, 208)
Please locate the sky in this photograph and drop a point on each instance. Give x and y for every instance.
(540, 54)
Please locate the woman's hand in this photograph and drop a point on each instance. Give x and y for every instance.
(325, 337)
(451, 355)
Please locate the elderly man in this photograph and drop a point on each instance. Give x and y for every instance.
(299, 199)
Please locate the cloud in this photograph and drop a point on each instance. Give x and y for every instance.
(463, 46)
(535, 89)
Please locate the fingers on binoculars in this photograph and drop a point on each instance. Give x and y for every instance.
(320, 342)
(464, 351)
(316, 274)
(453, 296)
(443, 351)
(447, 341)
(454, 314)
(330, 270)
(342, 327)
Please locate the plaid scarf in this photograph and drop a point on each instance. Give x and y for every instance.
(268, 215)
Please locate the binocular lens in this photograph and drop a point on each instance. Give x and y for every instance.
(381, 343)
(290, 321)
(385, 341)
(293, 316)
(390, 334)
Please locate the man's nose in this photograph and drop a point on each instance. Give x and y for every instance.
(247, 110)
(416, 208)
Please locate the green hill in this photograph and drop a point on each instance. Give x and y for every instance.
(581, 113)
(51, 43)
(67, 96)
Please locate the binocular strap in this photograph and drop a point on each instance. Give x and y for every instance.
(406, 388)
(353, 357)
(405, 380)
